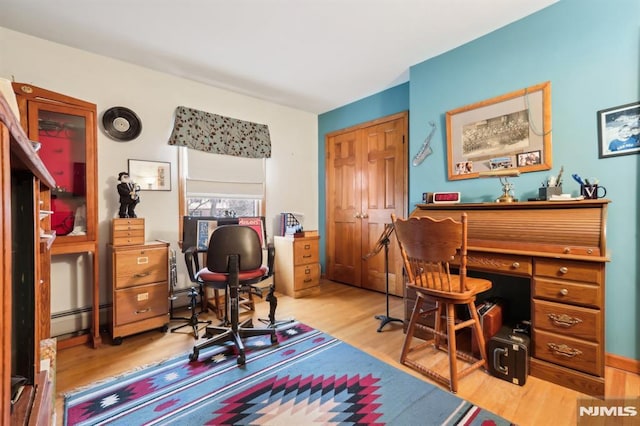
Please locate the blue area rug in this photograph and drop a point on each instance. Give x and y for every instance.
(309, 377)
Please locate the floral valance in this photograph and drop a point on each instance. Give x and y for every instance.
(217, 134)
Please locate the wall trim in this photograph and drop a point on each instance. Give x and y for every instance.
(622, 363)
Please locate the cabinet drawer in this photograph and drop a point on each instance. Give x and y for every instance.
(500, 263)
(140, 266)
(141, 302)
(567, 292)
(569, 270)
(305, 251)
(573, 353)
(574, 321)
(126, 224)
(131, 237)
(306, 276)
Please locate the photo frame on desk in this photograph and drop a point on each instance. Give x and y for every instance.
(494, 133)
(150, 175)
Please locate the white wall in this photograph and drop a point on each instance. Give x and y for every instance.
(292, 176)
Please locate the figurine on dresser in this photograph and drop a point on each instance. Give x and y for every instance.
(129, 197)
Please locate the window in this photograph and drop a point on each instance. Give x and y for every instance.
(221, 185)
(223, 207)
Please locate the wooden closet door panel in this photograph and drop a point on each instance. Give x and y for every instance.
(384, 172)
(343, 208)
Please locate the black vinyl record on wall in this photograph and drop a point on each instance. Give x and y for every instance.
(121, 124)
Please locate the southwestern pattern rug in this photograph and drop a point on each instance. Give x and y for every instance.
(309, 377)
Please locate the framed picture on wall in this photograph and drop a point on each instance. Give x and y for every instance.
(151, 175)
(511, 131)
(619, 131)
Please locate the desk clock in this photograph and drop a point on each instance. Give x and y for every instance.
(441, 197)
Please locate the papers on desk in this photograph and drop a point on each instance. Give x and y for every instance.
(565, 197)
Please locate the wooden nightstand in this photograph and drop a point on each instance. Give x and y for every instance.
(297, 266)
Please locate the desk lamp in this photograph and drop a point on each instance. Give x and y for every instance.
(507, 187)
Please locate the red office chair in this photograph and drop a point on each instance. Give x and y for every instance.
(234, 261)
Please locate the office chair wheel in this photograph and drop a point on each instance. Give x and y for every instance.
(164, 328)
(194, 355)
(241, 359)
(117, 341)
(274, 339)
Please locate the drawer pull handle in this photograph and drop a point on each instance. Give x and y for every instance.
(564, 292)
(308, 280)
(144, 311)
(515, 265)
(564, 270)
(141, 275)
(564, 320)
(307, 255)
(564, 350)
(567, 250)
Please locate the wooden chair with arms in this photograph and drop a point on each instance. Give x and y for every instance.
(427, 246)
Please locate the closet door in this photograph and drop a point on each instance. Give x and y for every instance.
(344, 202)
(366, 181)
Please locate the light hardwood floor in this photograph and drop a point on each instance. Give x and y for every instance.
(347, 313)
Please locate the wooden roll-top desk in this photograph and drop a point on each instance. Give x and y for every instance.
(561, 248)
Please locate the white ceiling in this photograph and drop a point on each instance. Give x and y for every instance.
(313, 55)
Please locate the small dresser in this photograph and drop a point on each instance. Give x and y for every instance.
(138, 273)
(297, 265)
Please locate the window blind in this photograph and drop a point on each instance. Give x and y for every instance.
(225, 175)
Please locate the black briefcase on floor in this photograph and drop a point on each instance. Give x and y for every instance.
(508, 356)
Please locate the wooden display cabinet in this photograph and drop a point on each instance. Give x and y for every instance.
(25, 243)
(67, 131)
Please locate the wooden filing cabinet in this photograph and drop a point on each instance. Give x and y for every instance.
(139, 277)
(297, 265)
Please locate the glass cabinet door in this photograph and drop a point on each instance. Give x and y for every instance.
(68, 151)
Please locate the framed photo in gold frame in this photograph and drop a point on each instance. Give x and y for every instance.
(498, 133)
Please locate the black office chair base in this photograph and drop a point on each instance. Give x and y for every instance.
(220, 335)
(193, 320)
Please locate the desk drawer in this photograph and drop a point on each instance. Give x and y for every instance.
(139, 303)
(140, 266)
(567, 292)
(574, 321)
(306, 276)
(500, 263)
(573, 353)
(569, 270)
(305, 251)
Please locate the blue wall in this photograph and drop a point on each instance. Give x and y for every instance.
(590, 52)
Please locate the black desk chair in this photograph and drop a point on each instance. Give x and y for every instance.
(234, 262)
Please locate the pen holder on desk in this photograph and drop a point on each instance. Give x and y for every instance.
(592, 192)
(546, 192)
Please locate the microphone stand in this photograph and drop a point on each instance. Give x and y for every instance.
(384, 241)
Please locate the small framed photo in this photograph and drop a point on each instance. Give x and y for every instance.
(529, 158)
(619, 131)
